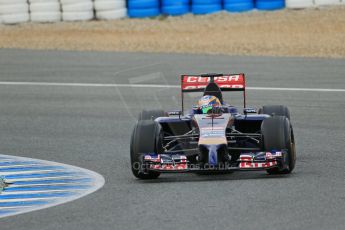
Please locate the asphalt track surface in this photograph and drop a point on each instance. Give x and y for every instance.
(90, 127)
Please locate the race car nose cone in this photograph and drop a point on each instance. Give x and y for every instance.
(212, 154)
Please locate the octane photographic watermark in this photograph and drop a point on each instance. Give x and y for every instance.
(149, 98)
(143, 167)
(152, 98)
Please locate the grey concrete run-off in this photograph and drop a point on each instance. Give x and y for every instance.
(90, 127)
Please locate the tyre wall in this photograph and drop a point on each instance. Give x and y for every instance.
(238, 6)
(77, 10)
(175, 7)
(300, 4)
(206, 6)
(48, 11)
(143, 8)
(269, 4)
(45, 10)
(14, 11)
(110, 9)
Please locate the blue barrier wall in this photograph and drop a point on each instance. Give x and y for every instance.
(175, 7)
(143, 8)
(206, 6)
(269, 4)
(151, 8)
(238, 5)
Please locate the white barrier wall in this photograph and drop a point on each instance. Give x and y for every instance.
(77, 10)
(110, 9)
(327, 2)
(45, 10)
(299, 4)
(14, 11)
(18, 11)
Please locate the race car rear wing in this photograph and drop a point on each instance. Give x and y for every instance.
(226, 82)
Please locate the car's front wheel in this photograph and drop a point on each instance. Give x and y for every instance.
(146, 138)
(278, 135)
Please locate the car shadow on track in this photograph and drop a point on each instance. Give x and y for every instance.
(171, 178)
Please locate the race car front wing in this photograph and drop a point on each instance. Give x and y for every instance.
(251, 161)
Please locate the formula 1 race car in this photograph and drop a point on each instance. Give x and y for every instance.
(214, 137)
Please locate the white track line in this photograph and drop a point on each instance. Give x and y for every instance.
(43, 178)
(30, 172)
(296, 89)
(23, 199)
(42, 191)
(9, 83)
(15, 208)
(20, 165)
(50, 184)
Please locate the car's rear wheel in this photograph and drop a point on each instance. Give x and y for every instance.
(146, 138)
(151, 114)
(278, 135)
(275, 110)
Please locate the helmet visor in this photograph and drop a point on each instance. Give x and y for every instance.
(205, 110)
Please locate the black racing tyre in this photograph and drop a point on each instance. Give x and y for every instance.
(151, 114)
(146, 138)
(275, 110)
(278, 134)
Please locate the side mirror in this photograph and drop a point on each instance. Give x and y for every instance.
(175, 113)
(249, 110)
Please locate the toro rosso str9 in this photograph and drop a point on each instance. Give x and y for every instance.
(214, 136)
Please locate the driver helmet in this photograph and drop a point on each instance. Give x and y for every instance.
(207, 103)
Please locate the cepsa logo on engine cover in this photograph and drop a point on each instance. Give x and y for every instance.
(231, 81)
